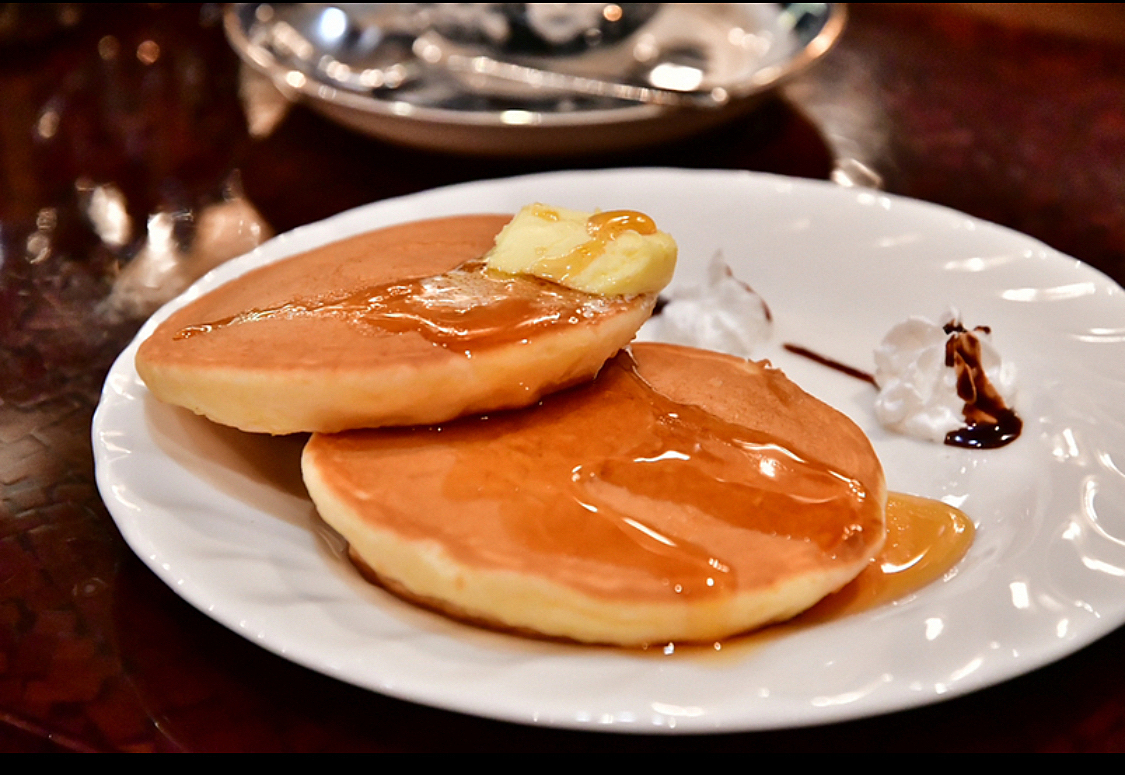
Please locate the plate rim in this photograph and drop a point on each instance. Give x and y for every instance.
(280, 246)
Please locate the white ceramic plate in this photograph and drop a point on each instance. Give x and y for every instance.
(222, 518)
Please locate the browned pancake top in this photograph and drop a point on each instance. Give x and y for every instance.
(677, 473)
(356, 303)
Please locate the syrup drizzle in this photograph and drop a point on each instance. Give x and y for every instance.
(626, 489)
(469, 305)
(464, 308)
(926, 539)
(719, 471)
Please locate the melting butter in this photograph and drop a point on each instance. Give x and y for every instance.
(612, 253)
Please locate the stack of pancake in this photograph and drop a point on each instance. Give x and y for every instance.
(492, 447)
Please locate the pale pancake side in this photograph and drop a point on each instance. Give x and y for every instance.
(292, 373)
(604, 515)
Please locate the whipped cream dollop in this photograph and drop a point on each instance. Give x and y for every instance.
(945, 383)
(722, 313)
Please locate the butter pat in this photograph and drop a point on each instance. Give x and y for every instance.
(613, 253)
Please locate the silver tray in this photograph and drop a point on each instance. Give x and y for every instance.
(603, 98)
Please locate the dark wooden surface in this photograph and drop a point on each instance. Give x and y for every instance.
(1017, 117)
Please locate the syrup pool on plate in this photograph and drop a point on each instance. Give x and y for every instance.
(925, 540)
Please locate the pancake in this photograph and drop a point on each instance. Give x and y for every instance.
(377, 330)
(683, 495)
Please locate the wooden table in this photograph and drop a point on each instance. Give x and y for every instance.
(1013, 118)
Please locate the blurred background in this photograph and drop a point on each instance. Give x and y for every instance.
(137, 150)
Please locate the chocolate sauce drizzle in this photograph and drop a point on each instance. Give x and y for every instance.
(824, 360)
(466, 308)
(989, 422)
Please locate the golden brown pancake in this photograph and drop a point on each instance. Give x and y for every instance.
(369, 332)
(682, 495)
